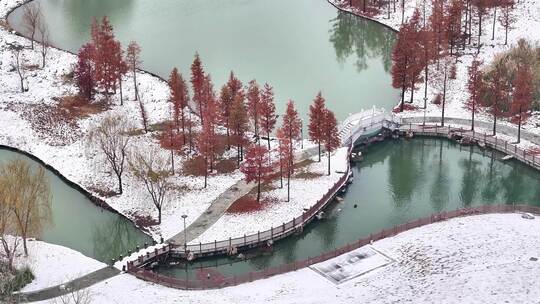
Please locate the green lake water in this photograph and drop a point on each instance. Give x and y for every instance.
(298, 46)
(398, 181)
(79, 224)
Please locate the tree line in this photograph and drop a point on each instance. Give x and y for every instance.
(437, 42)
(201, 118)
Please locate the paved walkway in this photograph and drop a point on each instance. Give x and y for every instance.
(77, 284)
(223, 202)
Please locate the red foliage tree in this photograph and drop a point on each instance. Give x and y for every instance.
(197, 82)
(316, 116)
(253, 104)
(180, 99)
(497, 94)
(453, 23)
(234, 84)
(225, 101)
(474, 86)
(523, 96)
(331, 138)
(207, 141)
(84, 71)
(268, 111)
(239, 124)
(256, 167)
(205, 147)
(405, 57)
(108, 57)
(507, 18)
(291, 129)
(286, 158)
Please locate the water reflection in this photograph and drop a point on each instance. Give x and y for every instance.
(440, 192)
(353, 36)
(469, 181)
(113, 238)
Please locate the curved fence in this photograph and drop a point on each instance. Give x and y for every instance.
(483, 138)
(220, 282)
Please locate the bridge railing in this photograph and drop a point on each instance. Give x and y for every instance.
(501, 145)
(220, 282)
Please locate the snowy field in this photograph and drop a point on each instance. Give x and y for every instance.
(304, 194)
(53, 264)
(476, 259)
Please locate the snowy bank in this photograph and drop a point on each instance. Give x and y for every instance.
(475, 259)
(53, 265)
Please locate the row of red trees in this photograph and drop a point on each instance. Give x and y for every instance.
(243, 111)
(245, 114)
(422, 41)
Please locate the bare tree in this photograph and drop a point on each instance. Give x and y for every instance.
(31, 19)
(30, 197)
(45, 42)
(18, 65)
(111, 136)
(81, 296)
(152, 168)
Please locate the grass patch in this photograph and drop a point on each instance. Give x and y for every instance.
(11, 281)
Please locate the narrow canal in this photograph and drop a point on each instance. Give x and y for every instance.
(398, 181)
(79, 224)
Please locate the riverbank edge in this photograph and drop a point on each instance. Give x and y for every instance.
(443, 216)
(358, 15)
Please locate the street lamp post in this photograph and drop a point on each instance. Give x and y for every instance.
(184, 216)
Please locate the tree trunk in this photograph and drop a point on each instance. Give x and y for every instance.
(328, 162)
(473, 110)
(319, 142)
(121, 95)
(519, 128)
(289, 184)
(120, 189)
(205, 172)
(135, 84)
(259, 185)
(159, 215)
(268, 141)
(444, 95)
(402, 106)
(494, 123)
(494, 22)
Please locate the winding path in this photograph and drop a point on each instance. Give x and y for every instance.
(74, 285)
(223, 202)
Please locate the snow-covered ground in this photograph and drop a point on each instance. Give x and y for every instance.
(527, 26)
(63, 144)
(476, 259)
(304, 194)
(52, 264)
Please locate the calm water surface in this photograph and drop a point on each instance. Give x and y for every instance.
(80, 225)
(399, 181)
(298, 46)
